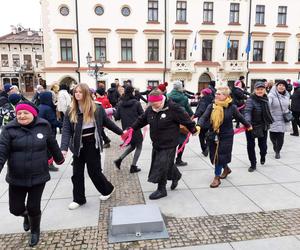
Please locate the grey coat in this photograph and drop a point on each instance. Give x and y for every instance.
(279, 125)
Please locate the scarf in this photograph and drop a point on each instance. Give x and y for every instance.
(264, 102)
(217, 114)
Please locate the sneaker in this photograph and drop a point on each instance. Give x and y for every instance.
(293, 134)
(180, 163)
(251, 169)
(118, 163)
(73, 205)
(106, 197)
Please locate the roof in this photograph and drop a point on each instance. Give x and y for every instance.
(22, 37)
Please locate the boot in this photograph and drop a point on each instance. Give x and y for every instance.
(226, 172)
(205, 152)
(277, 155)
(159, 193)
(179, 162)
(26, 224)
(175, 183)
(262, 160)
(134, 169)
(216, 182)
(106, 145)
(252, 168)
(118, 163)
(52, 168)
(35, 230)
(294, 134)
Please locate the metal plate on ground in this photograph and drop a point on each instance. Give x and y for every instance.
(136, 222)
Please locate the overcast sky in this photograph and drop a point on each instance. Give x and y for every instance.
(25, 12)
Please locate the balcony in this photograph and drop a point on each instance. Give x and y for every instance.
(182, 66)
(235, 66)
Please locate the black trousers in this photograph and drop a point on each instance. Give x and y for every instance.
(89, 155)
(262, 144)
(296, 122)
(17, 196)
(277, 139)
(202, 139)
(104, 136)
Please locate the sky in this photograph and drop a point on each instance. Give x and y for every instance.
(24, 12)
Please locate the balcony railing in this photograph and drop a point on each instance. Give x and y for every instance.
(186, 66)
(235, 66)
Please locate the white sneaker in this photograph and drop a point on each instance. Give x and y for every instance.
(73, 205)
(106, 197)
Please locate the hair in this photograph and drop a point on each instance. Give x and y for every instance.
(225, 90)
(156, 92)
(55, 88)
(88, 105)
(128, 94)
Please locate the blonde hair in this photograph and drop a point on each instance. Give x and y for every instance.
(55, 88)
(88, 106)
(224, 90)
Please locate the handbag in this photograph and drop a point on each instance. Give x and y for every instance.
(288, 116)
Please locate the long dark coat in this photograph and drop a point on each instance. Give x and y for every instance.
(226, 133)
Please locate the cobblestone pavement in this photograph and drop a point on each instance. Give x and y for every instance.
(183, 231)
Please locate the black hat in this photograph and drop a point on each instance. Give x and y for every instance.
(259, 85)
(100, 91)
(282, 82)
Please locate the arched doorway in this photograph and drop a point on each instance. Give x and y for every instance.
(203, 82)
(68, 81)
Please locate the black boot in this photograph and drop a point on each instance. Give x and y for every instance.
(26, 224)
(205, 152)
(159, 193)
(277, 155)
(262, 159)
(118, 163)
(134, 169)
(35, 230)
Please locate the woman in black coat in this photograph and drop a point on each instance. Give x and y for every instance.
(220, 115)
(295, 107)
(24, 143)
(129, 109)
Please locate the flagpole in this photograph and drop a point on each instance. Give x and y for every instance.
(248, 39)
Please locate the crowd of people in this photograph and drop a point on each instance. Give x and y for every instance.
(28, 133)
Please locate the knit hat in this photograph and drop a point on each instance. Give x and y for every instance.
(296, 84)
(238, 84)
(7, 87)
(163, 87)
(178, 85)
(282, 82)
(206, 91)
(259, 85)
(28, 106)
(14, 98)
(100, 91)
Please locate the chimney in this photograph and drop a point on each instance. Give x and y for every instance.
(29, 32)
(13, 29)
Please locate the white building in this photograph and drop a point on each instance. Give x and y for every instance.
(151, 41)
(21, 54)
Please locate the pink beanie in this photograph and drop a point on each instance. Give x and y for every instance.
(27, 107)
(206, 91)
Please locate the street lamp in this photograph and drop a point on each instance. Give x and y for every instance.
(94, 68)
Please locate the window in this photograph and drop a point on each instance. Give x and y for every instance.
(64, 10)
(208, 8)
(260, 14)
(126, 49)
(153, 83)
(153, 50)
(153, 10)
(38, 57)
(232, 52)
(234, 13)
(181, 11)
(125, 11)
(27, 59)
(4, 60)
(100, 49)
(180, 49)
(258, 51)
(279, 51)
(299, 53)
(99, 10)
(206, 50)
(16, 60)
(66, 51)
(282, 12)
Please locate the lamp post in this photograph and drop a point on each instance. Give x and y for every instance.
(94, 68)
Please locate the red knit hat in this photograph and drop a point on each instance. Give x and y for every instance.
(163, 87)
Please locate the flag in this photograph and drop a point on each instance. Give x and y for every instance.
(195, 42)
(248, 48)
(228, 45)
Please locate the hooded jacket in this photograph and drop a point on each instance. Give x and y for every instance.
(113, 94)
(295, 104)
(180, 98)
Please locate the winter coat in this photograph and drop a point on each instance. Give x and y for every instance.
(139, 97)
(128, 111)
(164, 125)
(279, 125)
(103, 100)
(202, 106)
(226, 133)
(7, 113)
(238, 96)
(71, 135)
(63, 101)
(113, 95)
(47, 111)
(295, 103)
(181, 99)
(36, 99)
(25, 149)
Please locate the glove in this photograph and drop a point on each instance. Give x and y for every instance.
(198, 128)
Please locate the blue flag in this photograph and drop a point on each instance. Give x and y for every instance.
(248, 48)
(228, 43)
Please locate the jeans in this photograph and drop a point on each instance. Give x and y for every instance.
(138, 149)
(218, 169)
(262, 144)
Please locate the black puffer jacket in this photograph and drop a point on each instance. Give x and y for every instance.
(72, 131)
(239, 96)
(128, 111)
(295, 104)
(26, 152)
(202, 106)
(164, 125)
(113, 94)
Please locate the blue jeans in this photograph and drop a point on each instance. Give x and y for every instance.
(218, 169)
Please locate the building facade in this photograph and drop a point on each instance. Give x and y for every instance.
(151, 41)
(22, 58)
